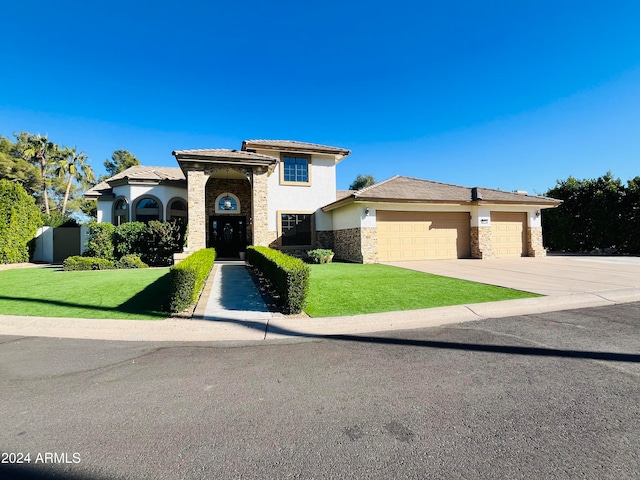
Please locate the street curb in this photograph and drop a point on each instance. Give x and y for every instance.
(172, 329)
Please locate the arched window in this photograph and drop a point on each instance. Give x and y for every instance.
(177, 211)
(148, 208)
(227, 203)
(120, 211)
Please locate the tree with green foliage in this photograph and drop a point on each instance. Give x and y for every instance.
(120, 161)
(16, 169)
(73, 165)
(19, 222)
(362, 181)
(37, 149)
(600, 213)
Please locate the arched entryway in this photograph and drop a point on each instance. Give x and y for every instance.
(228, 207)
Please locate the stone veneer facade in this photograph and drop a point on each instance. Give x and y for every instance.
(358, 245)
(260, 223)
(481, 242)
(197, 236)
(535, 248)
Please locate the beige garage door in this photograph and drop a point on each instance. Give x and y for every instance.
(422, 235)
(507, 234)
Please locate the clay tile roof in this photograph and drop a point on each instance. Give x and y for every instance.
(340, 194)
(407, 189)
(415, 189)
(137, 172)
(142, 172)
(222, 154)
(293, 145)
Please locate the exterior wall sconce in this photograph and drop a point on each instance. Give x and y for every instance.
(366, 211)
(537, 213)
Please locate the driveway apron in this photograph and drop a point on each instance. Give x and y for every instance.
(552, 275)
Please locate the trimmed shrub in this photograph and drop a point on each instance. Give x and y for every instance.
(188, 278)
(161, 241)
(100, 241)
(131, 261)
(128, 238)
(77, 262)
(320, 255)
(19, 222)
(289, 276)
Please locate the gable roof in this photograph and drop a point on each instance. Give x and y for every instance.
(414, 190)
(293, 146)
(135, 174)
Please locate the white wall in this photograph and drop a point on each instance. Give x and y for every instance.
(44, 245)
(353, 215)
(290, 198)
(164, 193)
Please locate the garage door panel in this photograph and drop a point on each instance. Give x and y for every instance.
(422, 235)
(508, 234)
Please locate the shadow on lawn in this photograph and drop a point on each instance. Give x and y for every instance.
(152, 302)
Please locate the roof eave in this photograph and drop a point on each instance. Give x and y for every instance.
(195, 158)
(338, 152)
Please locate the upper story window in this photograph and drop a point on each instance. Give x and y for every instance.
(295, 169)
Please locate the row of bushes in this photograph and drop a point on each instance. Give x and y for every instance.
(78, 262)
(19, 222)
(188, 278)
(155, 242)
(288, 276)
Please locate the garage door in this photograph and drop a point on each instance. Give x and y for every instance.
(422, 235)
(507, 234)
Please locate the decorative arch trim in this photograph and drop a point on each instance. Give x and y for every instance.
(235, 204)
(120, 215)
(143, 214)
(176, 212)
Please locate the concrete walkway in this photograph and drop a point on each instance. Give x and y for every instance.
(231, 309)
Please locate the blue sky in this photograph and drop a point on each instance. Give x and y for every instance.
(501, 94)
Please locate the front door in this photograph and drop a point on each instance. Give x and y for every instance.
(228, 235)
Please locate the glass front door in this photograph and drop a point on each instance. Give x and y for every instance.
(228, 235)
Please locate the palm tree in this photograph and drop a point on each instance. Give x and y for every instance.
(38, 149)
(74, 166)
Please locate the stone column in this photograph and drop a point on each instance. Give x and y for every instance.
(260, 212)
(369, 244)
(197, 236)
(481, 242)
(534, 242)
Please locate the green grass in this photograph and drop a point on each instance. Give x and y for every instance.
(337, 289)
(136, 294)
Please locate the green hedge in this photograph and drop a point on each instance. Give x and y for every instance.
(19, 222)
(131, 261)
(87, 263)
(188, 278)
(100, 241)
(288, 276)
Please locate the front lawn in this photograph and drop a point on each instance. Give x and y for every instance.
(136, 294)
(337, 289)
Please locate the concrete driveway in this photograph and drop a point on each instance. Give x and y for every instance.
(552, 275)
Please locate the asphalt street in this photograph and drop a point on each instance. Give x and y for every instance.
(552, 395)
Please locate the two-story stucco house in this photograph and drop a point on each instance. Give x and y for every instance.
(282, 193)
